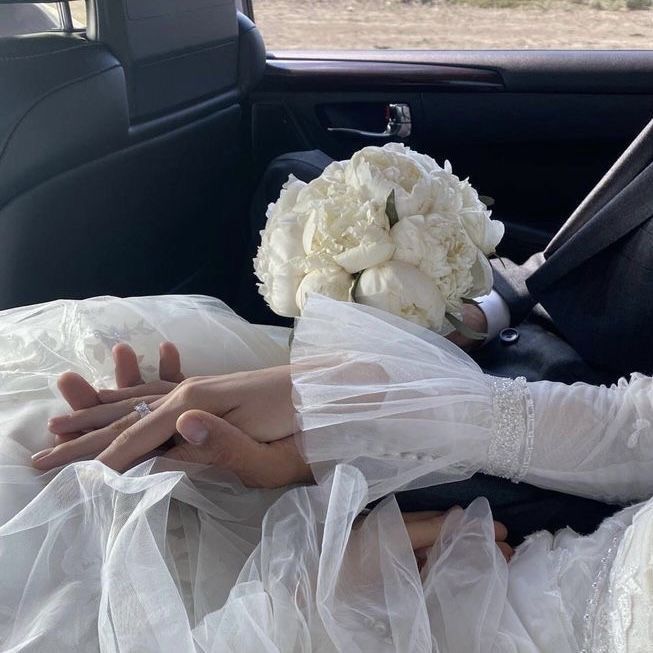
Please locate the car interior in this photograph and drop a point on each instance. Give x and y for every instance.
(131, 150)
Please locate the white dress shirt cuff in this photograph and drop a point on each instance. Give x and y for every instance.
(496, 312)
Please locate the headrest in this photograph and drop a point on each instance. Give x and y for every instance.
(251, 54)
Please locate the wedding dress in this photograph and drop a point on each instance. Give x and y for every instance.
(164, 558)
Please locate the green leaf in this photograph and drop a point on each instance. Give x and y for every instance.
(494, 257)
(487, 200)
(354, 285)
(461, 327)
(391, 209)
(469, 300)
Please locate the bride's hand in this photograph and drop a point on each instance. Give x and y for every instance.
(257, 402)
(80, 394)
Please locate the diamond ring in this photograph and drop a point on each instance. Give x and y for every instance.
(142, 409)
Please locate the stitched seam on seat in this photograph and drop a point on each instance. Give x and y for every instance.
(51, 92)
(52, 52)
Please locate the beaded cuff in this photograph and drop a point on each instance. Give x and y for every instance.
(511, 443)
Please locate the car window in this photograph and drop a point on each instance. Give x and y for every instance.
(34, 18)
(78, 13)
(455, 24)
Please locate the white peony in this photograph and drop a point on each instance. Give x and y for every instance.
(403, 290)
(279, 263)
(345, 228)
(377, 171)
(330, 282)
(482, 276)
(486, 234)
(320, 234)
(287, 199)
(440, 247)
(447, 192)
(375, 248)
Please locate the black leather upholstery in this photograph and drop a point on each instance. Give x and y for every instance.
(251, 55)
(63, 102)
(106, 188)
(174, 53)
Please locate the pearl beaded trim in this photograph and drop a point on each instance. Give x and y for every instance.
(513, 435)
(595, 619)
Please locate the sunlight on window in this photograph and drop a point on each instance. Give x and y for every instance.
(78, 11)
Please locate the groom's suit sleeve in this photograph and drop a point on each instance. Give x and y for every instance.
(510, 282)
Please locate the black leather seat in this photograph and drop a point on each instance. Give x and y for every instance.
(63, 102)
(123, 155)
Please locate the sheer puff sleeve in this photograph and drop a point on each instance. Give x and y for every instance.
(410, 409)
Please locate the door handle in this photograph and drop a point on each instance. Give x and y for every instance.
(399, 125)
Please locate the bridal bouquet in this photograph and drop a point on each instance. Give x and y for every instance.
(388, 228)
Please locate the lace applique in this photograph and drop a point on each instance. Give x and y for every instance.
(511, 444)
(630, 601)
(625, 592)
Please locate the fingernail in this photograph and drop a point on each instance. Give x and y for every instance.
(59, 418)
(57, 425)
(41, 454)
(195, 431)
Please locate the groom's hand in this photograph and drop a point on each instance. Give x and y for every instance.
(474, 318)
(210, 440)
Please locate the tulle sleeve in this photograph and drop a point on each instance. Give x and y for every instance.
(410, 409)
(595, 441)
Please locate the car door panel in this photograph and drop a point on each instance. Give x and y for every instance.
(533, 130)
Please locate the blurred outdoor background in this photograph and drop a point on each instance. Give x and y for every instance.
(455, 24)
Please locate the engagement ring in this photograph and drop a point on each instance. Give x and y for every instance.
(142, 409)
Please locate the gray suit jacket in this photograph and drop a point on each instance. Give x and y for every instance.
(595, 279)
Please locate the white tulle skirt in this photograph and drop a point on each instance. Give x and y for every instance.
(166, 558)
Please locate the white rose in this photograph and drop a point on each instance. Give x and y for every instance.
(403, 290)
(441, 249)
(348, 230)
(330, 282)
(377, 171)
